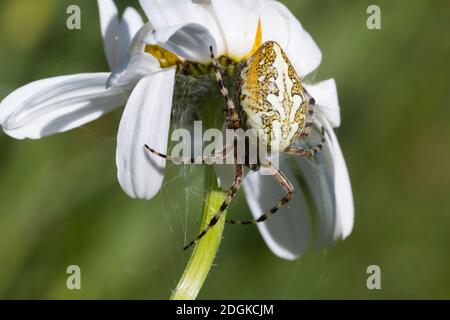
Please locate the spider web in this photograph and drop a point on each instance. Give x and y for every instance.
(184, 183)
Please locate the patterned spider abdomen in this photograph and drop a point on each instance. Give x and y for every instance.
(273, 98)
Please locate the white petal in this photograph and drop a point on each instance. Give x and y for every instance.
(117, 33)
(139, 66)
(146, 120)
(288, 232)
(58, 104)
(190, 41)
(329, 184)
(319, 179)
(238, 21)
(326, 97)
(342, 186)
(133, 21)
(280, 25)
(137, 44)
(167, 13)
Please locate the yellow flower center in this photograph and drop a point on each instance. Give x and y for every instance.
(166, 58)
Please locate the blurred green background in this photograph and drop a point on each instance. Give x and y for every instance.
(60, 202)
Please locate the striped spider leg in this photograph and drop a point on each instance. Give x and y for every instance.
(187, 160)
(238, 178)
(232, 117)
(309, 116)
(297, 151)
(284, 182)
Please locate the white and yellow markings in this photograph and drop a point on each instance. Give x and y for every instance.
(272, 97)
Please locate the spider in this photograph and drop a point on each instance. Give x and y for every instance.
(272, 98)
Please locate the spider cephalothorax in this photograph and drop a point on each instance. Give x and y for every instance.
(272, 100)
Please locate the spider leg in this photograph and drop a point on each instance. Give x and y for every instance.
(308, 152)
(201, 160)
(309, 115)
(307, 131)
(238, 177)
(287, 186)
(232, 116)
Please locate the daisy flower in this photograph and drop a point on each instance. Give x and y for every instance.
(145, 59)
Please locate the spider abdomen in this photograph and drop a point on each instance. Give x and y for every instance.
(272, 97)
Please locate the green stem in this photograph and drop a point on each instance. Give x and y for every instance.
(205, 250)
